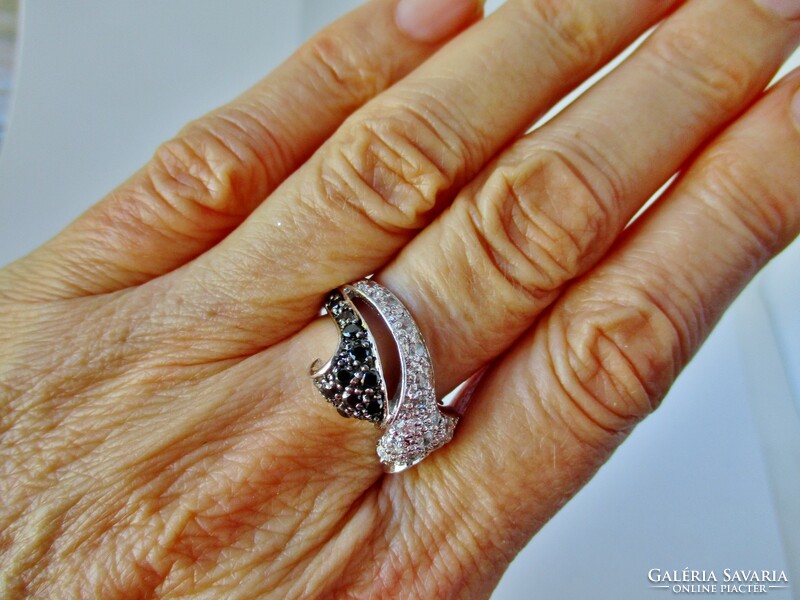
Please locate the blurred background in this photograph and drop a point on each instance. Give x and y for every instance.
(711, 481)
(8, 34)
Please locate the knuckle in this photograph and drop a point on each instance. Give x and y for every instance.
(394, 169)
(738, 196)
(576, 35)
(703, 65)
(613, 361)
(345, 68)
(202, 173)
(539, 221)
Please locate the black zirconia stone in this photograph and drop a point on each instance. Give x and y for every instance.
(335, 301)
(351, 399)
(344, 376)
(374, 408)
(360, 353)
(370, 379)
(329, 393)
(347, 315)
(351, 330)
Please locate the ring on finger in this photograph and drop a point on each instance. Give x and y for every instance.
(352, 380)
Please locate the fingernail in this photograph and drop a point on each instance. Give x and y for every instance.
(433, 20)
(788, 9)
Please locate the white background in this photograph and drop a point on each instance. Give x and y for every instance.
(710, 481)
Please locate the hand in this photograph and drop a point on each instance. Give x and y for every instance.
(160, 434)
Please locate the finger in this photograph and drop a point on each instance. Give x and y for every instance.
(201, 184)
(396, 162)
(468, 304)
(447, 299)
(553, 204)
(570, 391)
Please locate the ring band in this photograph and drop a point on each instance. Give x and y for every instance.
(352, 380)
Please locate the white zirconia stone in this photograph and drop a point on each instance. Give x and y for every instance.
(419, 427)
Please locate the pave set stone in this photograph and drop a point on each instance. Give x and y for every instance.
(352, 381)
(416, 425)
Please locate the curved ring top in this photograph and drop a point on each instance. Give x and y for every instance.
(415, 424)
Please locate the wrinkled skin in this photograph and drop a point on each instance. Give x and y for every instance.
(159, 435)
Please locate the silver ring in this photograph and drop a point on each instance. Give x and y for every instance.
(352, 380)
